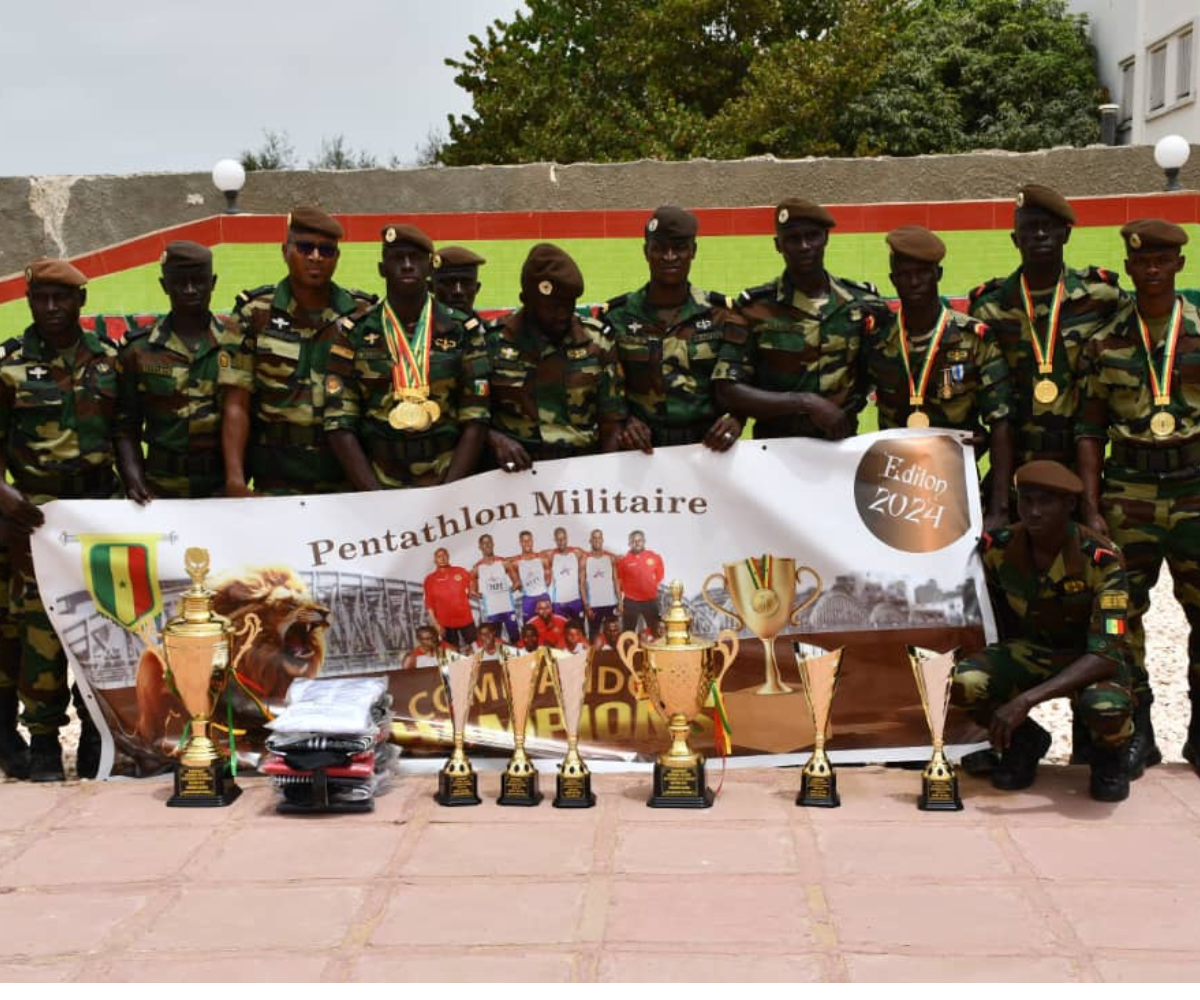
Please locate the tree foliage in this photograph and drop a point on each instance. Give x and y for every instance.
(610, 80)
(275, 153)
(336, 154)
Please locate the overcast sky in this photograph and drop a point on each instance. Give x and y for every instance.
(127, 86)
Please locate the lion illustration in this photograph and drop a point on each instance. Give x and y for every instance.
(290, 644)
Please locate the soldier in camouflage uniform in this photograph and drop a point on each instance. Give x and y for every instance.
(58, 402)
(794, 362)
(557, 388)
(14, 751)
(1143, 396)
(169, 395)
(966, 382)
(1060, 597)
(273, 371)
(408, 346)
(1019, 310)
(668, 335)
(456, 278)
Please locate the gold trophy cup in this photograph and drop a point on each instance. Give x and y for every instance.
(569, 672)
(677, 673)
(762, 591)
(934, 673)
(196, 649)
(519, 782)
(819, 672)
(458, 785)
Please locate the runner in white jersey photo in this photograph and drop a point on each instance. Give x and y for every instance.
(495, 583)
(533, 572)
(601, 591)
(566, 568)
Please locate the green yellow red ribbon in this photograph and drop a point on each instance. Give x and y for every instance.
(1044, 356)
(916, 390)
(1160, 385)
(410, 364)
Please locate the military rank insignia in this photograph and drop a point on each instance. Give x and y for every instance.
(1073, 586)
(333, 385)
(223, 360)
(577, 353)
(1114, 602)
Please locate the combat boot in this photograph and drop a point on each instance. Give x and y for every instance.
(1081, 742)
(1018, 764)
(1191, 745)
(14, 751)
(1143, 752)
(45, 758)
(87, 758)
(1110, 774)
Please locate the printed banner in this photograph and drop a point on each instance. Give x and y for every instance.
(867, 544)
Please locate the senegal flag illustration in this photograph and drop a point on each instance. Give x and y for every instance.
(121, 574)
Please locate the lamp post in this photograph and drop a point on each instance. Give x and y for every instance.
(229, 176)
(1171, 152)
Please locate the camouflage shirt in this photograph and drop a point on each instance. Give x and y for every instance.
(1046, 430)
(551, 399)
(788, 343)
(1077, 606)
(668, 366)
(58, 412)
(278, 353)
(968, 384)
(359, 394)
(169, 400)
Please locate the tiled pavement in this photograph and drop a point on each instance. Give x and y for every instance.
(101, 882)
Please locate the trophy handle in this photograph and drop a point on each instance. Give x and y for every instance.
(728, 644)
(794, 618)
(714, 605)
(627, 643)
(251, 628)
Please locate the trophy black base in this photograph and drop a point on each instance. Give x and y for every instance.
(819, 790)
(458, 789)
(940, 795)
(198, 787)
(519, 790)
(574, 791)
(680, 787)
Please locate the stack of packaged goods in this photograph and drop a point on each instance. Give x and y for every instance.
(328, 750)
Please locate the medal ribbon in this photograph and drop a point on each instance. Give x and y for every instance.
(410, 367)
(917, 391)
(1044, 356)
(1160, 385)
(761, 574)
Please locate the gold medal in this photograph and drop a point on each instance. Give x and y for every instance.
(1162, 424)
(408, 416)
(918, 419)
(1045, 391)
(765, 602)
(432, 411)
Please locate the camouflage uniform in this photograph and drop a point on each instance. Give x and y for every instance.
(1151, 491)
(783, 344)
(278, 354)
(359, 395)
(549, 399)
(169, 400)
(668, 370)
(969, 383)
(57, 417)
(1046, 622)
(1046, 430)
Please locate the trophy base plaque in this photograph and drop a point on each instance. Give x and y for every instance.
(519, 790)
(818, 790)
(574, 791)
(939, 794)
(206, 785)
(458, 789)
(680, 786)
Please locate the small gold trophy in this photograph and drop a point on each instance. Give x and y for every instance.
(677, 673)
(519, 782)
(196, 649)
(819, 672)
(569, 672)
(934, 673)
(458, 785)
(762, 590)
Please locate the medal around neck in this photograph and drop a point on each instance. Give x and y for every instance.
(678, 674)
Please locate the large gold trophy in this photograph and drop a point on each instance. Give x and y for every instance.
(819, 672)
(196, 649)
(762, 591)
(569, 672)
(519, 782)
(678, 673)
(458, 784)
(934, 673)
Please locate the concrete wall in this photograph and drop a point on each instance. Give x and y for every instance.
(66, 216)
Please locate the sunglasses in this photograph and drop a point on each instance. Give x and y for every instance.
(306, 247)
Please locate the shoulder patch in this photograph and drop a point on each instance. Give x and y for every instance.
(757, 292)
(368, 297)
(1102, 274)
(615, 303)
(720, 300)
(10, 347)
(1101, 554)
(986, 288)
(861, 286)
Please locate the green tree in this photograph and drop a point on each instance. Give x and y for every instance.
(275, 153)
(336, 154)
